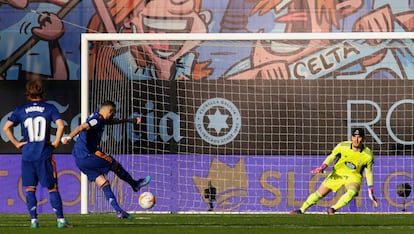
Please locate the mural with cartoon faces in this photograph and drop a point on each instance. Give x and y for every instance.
(292, 59)
(164, 60)
(171, 17)
(40, 39)
(37, 53)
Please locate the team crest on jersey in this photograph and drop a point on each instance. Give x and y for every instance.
(350, 165)
(93, 122)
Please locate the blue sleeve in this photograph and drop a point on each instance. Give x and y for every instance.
(95, 122)
(14, 117)
(55, 113)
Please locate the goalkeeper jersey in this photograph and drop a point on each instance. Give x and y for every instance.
(348, 162)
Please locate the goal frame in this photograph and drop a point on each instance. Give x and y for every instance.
(87, 37)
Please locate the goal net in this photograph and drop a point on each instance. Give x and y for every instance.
(235, 122)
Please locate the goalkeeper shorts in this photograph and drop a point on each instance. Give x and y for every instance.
(335, 181)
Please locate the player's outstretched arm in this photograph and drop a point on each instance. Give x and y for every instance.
(122, 120)
(328, 161)
(83, 127)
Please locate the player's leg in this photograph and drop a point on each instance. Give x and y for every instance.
(107, 162)
(315, 197)
(95, 169)
(56, 202)
(352, 190)
(124, 175)
(334, 182)
(48, 178)
(328, 185)
(29, 181)
(119, 170)
(31, 202)
(104, 184)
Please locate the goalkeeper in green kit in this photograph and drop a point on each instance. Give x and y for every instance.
(350, 160)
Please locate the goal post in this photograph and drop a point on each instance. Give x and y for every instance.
(84, 114)
(248, 115)
(244, 36)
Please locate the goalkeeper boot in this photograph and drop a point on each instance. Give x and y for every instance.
(123, 215)
(64, 224)
(331, 211)
(296, 212)
(141, 183)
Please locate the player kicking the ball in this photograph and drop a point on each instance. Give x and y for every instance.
(93, 162)
(352, 159)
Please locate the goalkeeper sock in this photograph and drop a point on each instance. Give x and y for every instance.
(31, 201)
(346, 198)
(310, 201)
(56, 202)
(111, 197)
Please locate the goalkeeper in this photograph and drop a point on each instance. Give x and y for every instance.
(93, 162)
(351, 159)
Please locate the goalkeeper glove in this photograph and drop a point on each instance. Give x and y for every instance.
(371, 196)
(320, 169)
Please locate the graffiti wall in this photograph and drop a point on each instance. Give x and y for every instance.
(41, 39)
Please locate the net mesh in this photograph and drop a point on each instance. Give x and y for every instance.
(208, 125)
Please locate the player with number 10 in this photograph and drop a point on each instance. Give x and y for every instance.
(38, 164)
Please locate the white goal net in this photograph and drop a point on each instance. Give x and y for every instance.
(235, 122)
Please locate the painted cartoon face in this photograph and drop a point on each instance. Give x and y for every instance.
(19, 4)
(307, 16)
(169, 16)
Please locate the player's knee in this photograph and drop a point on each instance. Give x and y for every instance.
(319, 195)
(106, 183)
(353, 191)
(52, 189)
(116, 167)
(31, 189)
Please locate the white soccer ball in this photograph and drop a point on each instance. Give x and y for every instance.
(146, 200)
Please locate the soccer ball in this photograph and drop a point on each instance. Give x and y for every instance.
(146, 200)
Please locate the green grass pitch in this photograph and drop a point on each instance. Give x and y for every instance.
(215, 223)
